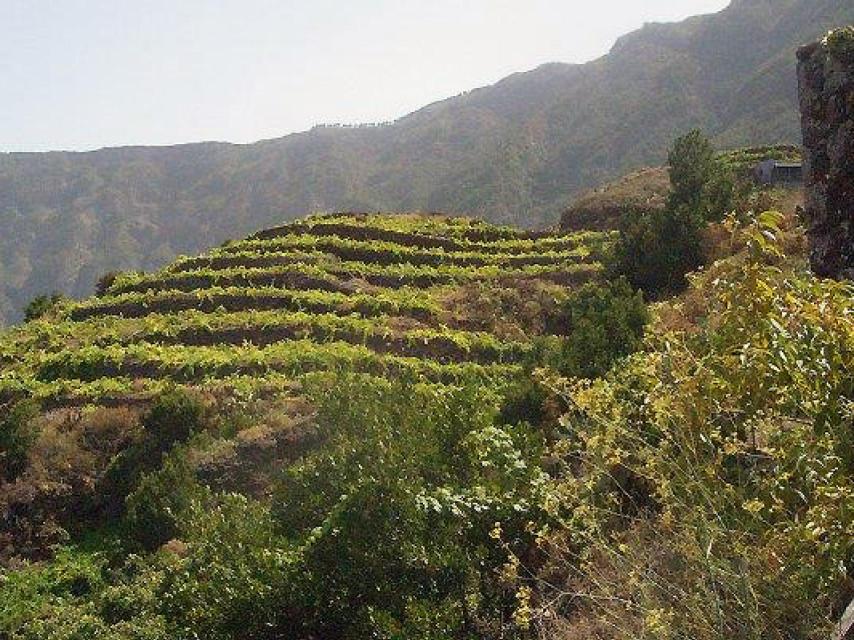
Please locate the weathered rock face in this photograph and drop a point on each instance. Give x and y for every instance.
(826, 79)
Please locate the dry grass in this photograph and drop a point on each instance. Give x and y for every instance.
(601, 208)
(516, 311)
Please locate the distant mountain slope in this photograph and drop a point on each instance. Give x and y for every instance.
(512, 152)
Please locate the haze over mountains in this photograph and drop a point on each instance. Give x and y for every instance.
(515, 152)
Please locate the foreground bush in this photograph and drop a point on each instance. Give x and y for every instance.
(708, 489)
(602, 323)
(17, 436)
(385, 530)
(394, 514)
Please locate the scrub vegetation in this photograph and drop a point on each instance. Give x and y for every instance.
(422, 426)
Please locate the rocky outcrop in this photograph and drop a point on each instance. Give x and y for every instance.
(826, 79)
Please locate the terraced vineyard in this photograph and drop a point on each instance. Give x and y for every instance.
(433, 296)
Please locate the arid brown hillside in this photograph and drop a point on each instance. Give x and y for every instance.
(601, 208)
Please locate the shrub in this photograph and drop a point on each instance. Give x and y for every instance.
(108, 430)
(235, 580)
(40, 305)
(17, 436)
(602, 324)
(656, 249)
(525, 402)
(220, 589)
(174, 416)
(160, 500)
(840, 43)
(707, 486)
(106, 281)
(392, 515)
(172, 419)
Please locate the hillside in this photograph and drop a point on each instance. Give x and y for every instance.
(227, 367)
(602, 207)
(353, 426)
(380, 293)
(515, 152)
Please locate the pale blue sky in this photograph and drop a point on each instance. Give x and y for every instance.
(82, 74)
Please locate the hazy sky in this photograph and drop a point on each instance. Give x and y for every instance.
(82, 74)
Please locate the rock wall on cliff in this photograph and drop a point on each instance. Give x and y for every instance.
(826, 84)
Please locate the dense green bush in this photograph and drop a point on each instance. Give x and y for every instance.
(160, 500)
(40, 305)
(394, 513)
(173, 417)
(657, 248)
(234, 578)
(526, 402)
(595, 326)
(17, 435)
(602, 323)
(33, 591)
(217, 586)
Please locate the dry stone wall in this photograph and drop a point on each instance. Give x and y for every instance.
(826, 80)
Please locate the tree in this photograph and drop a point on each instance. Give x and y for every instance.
(700, 185)
(657, 248)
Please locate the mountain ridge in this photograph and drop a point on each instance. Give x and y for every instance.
(515, 152)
